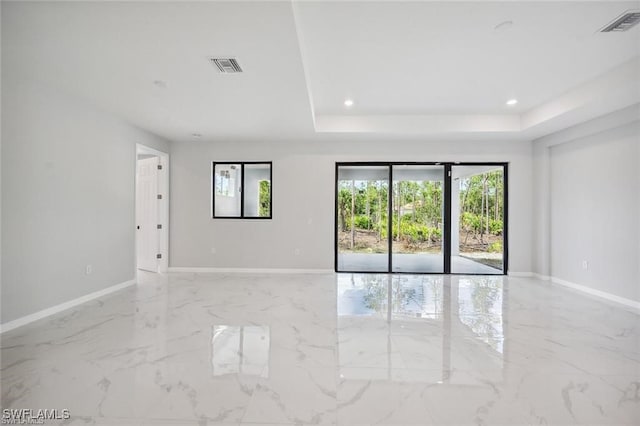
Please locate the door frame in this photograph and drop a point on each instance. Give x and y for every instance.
(163, 211)
(447, 231)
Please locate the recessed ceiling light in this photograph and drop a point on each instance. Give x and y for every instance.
(512, 102)
(348, 102)
(159, 83)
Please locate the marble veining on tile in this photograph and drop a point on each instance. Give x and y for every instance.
(332, 349)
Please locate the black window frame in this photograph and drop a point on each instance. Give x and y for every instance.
(447, 214)
(242, 182)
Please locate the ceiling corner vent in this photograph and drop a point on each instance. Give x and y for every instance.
(226, 65)
(623, 22)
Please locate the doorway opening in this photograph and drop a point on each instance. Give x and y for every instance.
(421, 218)
(152, 209)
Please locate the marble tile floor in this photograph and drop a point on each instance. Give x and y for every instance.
(330, 349)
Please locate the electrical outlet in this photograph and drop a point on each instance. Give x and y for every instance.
(88, 269)
(585, 265)
(213, 250)
(297, 252)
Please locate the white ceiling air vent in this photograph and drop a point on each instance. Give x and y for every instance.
(623, 22)
(226, 65)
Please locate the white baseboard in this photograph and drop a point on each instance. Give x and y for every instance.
(62, 307)
(579, 287)
(598, 293)
(520, 274)
(542, 277)
(250, 270)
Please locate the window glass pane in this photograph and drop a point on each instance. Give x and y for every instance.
(362, 226)
(477, 219)
(227, 180)
(257, 190)
(417, 220)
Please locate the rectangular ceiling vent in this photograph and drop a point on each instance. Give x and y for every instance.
(624, 22)
(226, 65)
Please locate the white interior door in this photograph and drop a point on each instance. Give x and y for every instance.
(147, 214)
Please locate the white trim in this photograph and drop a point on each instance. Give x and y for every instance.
(541, 277)
(598, 293)
(163, 188)
(591, 127)
(144, 149)
(304, 57)
(520, 274)
(250, 270)
(581, 288)
(62, 307)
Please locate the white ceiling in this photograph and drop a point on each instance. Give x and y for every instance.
(425, 57)
(414, 69)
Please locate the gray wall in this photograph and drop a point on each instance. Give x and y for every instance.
(594, 211)
(68, 176)
(300, 235)
(0, 170)
(541, 211)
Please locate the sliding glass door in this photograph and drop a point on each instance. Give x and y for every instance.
(421, 218)
(362, 208)
(417, 220)
(477, 218)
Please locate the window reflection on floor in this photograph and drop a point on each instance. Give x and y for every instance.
(435, 329)
(480, 309)
(240, 350)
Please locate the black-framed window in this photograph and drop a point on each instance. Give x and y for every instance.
(422, 217)
(241, 190)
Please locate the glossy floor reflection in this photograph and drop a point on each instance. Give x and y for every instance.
(413, 263)
(347, 349)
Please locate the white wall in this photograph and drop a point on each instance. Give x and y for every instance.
(595, 194)
(68, 181)
(0, 169)
(541, 211)
(586, 204)
(300, 235)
